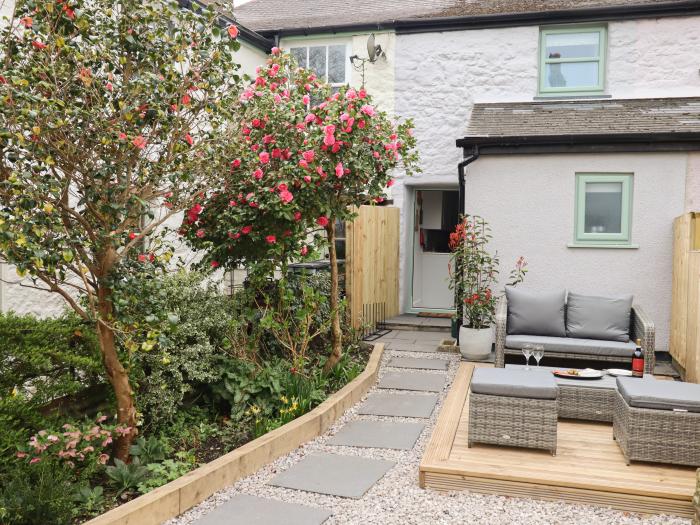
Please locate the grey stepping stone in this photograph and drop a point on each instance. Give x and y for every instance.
(399, 405)
(406, 346)
(378, 434)
(345, 476)
(416, 362)
(413, 381)
(251, 510)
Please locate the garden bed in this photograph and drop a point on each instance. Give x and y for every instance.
(177, 496)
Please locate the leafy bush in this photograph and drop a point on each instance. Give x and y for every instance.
(126, 477)
(90, 500)
(167, 471)
(148, 450)
(41, 493)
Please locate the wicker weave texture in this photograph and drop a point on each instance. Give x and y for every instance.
(592, 404)
(641, 327)
(513, 421)
(659, 436)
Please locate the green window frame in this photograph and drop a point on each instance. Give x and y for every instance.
(598, 239)
(544, 61)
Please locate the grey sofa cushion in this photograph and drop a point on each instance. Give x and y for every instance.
(572, 345)
(536, 313)
(661, 395)
(592, 317)
(529, 384)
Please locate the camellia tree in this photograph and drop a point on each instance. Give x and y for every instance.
(109, 110)
(303, 157)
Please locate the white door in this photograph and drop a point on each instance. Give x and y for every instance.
(436, 214)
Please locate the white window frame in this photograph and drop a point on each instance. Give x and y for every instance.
(291, 44)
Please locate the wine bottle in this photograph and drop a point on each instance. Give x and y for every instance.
(638, 360)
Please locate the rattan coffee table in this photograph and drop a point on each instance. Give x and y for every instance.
(589, 399)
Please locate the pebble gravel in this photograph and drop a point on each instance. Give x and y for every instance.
(398, 500)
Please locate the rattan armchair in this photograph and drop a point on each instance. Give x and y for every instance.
(641, 328)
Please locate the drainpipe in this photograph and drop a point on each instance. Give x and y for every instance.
(461, 172)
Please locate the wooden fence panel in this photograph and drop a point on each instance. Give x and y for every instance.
(685, 306)
(372, 264)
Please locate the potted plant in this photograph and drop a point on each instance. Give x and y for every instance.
(473, 276)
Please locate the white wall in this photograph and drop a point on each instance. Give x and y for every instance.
(439, 76)
(529, 202)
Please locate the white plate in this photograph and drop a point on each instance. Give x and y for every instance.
(589, 372)
(619, 372)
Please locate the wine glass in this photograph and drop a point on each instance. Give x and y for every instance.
(527, 352)
(538, 353)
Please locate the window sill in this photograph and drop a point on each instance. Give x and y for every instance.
(609, 246)
(571, 96)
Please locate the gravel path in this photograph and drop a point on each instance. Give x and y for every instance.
(397, 500)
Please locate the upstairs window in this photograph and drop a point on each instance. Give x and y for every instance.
(572, 61)
(329, 62)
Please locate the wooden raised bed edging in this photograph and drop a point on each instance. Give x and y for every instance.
(179, 495)
(696, 501)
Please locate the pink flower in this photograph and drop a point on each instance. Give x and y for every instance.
(258, 174)
(282, 187)
(214, 264)
(52, 438)
(303, 164)
(232, 31)
(329, 140)
(271, 239)
(142, 257)
(139, 142)
(307, 179)
(101, 419)
(109, 87)
(306, 99)
(297, 216)
(21, 455)
(200, 233)
(309, 118)
(275, 51)
(390, 183)
(103, 459)
(322, 221)
(329, 129)
(186, 99)
(277, 98)
(88, 449)
(122, 136)
(246, 230)
(38, 45)
(368, 110)
(264, 157)
(106, 441)
(309, 155)
(351, 94)
(339, 170)
(34, 460)
(304, 250)
(286, 196)
(235, 164)
(189, 139)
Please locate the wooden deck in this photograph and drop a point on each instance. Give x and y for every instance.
(588, 468)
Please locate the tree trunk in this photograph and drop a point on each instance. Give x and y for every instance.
(119, 379)
(336, 332)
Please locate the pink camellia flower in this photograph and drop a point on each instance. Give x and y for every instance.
(200, 233)
(304, 250)
(275, 50)
(339, 170)
(52, 438)
(186, 100)
(276, 153)
(88, 449)
(309, 118)
(307, 87)
(368, 110)
(329, 140)
(322, 221)
(309, 155)
(297, 216)
(375, 154)
(336, 147)
(306, 99)
(286, 196)
(122, 136)
(214, 264)
(282, 187)
(329, 129)
(194, 212)
(268, 139)
(277, 98)
(271, 239)
(109, 87)
(351, 94)
(38, 45)
(189, 139)
(232, 203)
(103, 459)
(232, 31)
(106, 441)
(139, 142)
(235, 164)
(27, 21)
(362, 93)
(258, 174)
(303, 164)
(389, 183)
(307, 179)
(246, 230)
(264, 157)
(142, 257)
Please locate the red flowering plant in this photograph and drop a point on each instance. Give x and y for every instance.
(296, 166)
(474, 272)
(84, 449)
(112, 118)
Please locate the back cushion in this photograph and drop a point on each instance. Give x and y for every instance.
(536, 313)
(591, 317)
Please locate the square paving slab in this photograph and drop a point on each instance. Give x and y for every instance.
(417, 362)
(406, 346)
(250, 510)
(345, 476)
(399, 405)
(378, 434)
(421, 381)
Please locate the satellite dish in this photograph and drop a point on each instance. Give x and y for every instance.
(371, 49)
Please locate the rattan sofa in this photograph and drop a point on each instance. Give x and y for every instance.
(641, 328)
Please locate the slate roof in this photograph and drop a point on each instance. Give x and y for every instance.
(274, 15)
(585, 117)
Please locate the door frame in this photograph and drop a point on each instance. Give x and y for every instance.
(410, 223)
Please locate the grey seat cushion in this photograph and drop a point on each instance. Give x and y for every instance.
(660, 395)
(529, 384)
(593, 317)
(536, 313)
(573, 345)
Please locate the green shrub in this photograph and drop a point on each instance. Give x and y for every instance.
(126, 477)
(41, 493)
(167, 471)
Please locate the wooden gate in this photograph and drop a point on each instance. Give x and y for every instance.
(685, 306)
(372, 265)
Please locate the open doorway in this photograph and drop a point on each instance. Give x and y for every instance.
(435, 215)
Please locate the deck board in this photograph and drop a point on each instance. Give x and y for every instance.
(588, 468)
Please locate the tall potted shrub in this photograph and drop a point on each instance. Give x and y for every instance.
(474, 275)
